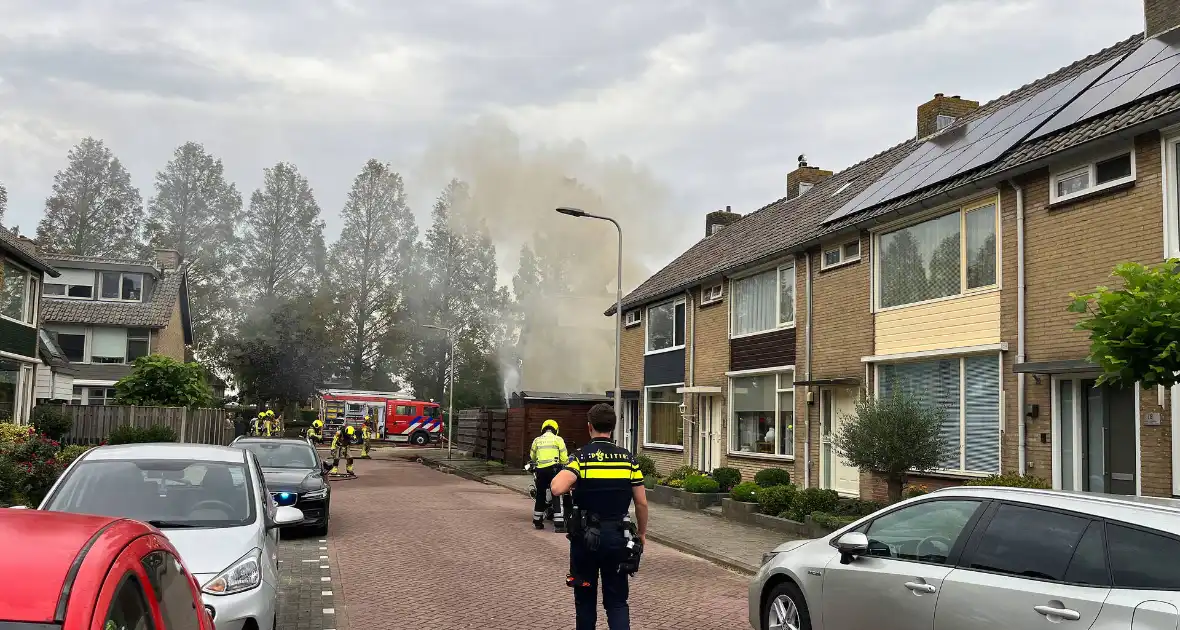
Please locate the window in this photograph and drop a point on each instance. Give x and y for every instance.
(848, 252)
(665, 326)
(663, 425)
(74, 283)
(73, 344)
(138, 340)
(967, 389)
(14, 292)
(924, 531)
(1092, 177)
(108, 345)
(172, 591)
(1028, 542)
(77, 397)
(1088, 565)
(713, 294)
(942, 121)
(929, 260)
(763, 409)
(121, 286)
(31, 303)
(404, 410)
(100, 396)
(1142, 559)
(129, 607)
(632, 318)
(763, 302)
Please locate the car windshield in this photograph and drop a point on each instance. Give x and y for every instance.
(283, 455)
(165, 493)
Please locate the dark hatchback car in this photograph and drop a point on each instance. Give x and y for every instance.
(294, 476)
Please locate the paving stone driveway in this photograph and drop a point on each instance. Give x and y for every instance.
(307, 594)
(416, 548)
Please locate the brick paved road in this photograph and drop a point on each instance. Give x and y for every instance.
(415, 548)
(307, 595)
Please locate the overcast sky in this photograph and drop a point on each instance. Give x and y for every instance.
(715, 97)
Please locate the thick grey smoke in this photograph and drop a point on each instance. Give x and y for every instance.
(514, 188)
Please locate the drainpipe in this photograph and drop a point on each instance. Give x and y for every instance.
(690, 310)
(1020, 290)
(807, 407)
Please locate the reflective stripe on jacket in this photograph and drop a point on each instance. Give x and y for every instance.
(548, 450)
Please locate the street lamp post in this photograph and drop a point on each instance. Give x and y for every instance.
(451, 399)
(576, 212)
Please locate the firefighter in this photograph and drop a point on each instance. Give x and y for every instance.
(258, 423)
(366, 436)
(548, 455)
(316, 432)
(346, 436)
(604, 544)
(268, 423)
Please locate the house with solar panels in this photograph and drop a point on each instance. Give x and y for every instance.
(941, 267)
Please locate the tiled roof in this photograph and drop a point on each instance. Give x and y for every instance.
(784, 225)
(98, 259)
(156, 313)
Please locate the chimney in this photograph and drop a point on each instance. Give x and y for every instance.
(718, 219)
(168, 259)
(941, 112)
(26, 243)
(803, 178)
(1159, 17)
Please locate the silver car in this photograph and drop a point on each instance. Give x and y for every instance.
(212, 504)
(972, 558)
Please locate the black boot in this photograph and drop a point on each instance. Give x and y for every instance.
(559, 528)
(539, 524)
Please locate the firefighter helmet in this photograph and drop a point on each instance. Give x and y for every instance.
(549, 424)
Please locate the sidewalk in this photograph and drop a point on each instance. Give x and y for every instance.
(732, 545)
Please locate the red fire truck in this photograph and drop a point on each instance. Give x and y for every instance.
(397, 417)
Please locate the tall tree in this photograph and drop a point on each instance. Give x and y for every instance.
(3, 201)
(370, 267)
(94, 210)
(282, 236)
(196, 212)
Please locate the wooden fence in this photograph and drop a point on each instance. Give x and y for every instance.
(92, 424)
(482, 432)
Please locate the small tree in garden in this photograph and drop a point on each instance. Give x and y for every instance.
(892, 436)
(162, 381)
(1135, 330)
(52, 421)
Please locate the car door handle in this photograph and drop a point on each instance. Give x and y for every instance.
(921, 587)
(1064, 613)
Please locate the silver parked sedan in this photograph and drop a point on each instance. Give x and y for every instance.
(975, 558)
(212, 504)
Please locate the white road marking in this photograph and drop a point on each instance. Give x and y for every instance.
(329, 611)
(322, 540)
(323, 548)
(325, 593)
(323, 557)
(325, 579)
(323, 566)
(311, 560)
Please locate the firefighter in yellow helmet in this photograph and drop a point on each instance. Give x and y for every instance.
(316, 432)
(366, 436)
(548, 455)
(346, 436)
(268, 423)
(258, 426)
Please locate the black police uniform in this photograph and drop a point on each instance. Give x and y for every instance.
(602, 497)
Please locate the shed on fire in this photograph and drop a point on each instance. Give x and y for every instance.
(529, 409)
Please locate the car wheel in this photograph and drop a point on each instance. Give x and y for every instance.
(420, 439)
(785, 609)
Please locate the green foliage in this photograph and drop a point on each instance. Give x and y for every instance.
(10, 432)
(1012, 481)
(69, 453)
(810, 500)
(647, 466)
(679, 474)
(727, 478)
(916, 490)
(775, 500)
(37, 466)
(128, 434)
(52, 421)
(700, 484)
(1135, 330)
(649, 482)
(746, 492)
(832, 521)
(160, 381)
(673, 483)
(892, 435)
(855, 507)
(768, 477)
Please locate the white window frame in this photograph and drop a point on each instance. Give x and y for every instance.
(86, 333)
(778, 303)
(47, 281)
(962, 210)
(779, 373)
(1169, 145)
(647, 418)
(844, 258)
(961, 472)
(632, 318)
(1090, 168)
(33, 301)
(127, 349)
(712, 294)
(119, 297)
(647, 329)
(29, 301)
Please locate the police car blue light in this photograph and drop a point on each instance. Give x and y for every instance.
(285, 498)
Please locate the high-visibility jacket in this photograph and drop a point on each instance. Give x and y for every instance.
(548, 450)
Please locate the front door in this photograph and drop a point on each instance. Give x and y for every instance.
(836, 406)
(631, 424)
(709, 433)
(1096, 443)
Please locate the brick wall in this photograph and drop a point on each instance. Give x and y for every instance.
(1160, 16)
(952, 106)
(169, 341)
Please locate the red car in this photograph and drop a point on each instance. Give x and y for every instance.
(76, 572)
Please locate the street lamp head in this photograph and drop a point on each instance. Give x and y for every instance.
(573, 212)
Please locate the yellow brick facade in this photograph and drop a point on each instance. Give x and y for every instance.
(169, 341)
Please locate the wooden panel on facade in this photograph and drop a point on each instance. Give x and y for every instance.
(970, 320)
(663, 368)
(18, 338)
(772, 349)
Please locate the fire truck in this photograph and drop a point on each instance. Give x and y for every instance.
(396, 416)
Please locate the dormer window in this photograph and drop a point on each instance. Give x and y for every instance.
(122, 286)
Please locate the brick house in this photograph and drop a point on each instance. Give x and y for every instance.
(941, 267)
(102, 314)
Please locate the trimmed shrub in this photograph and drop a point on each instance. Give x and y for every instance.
(673, 483)
(36, 461)
(649, 482)
(128, 434)
(915, 490)
(768, 477)
(746, 492)
(777, 499)
(727, 478)
(700, 484)
(832, 521)
(70, 453)
(11, 433)
(811, 500)
(855, 508)
(647, 466)
(682, 472)
(52, 422)
(1012, 481)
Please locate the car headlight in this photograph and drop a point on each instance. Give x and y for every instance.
(768, 556)
(315, 494)
(242, 575)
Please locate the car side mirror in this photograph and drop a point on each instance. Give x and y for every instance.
(851, 545)
(287, 515)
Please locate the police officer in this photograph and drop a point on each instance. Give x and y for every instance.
(603, 544)
(548, 455)
(345, 436)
